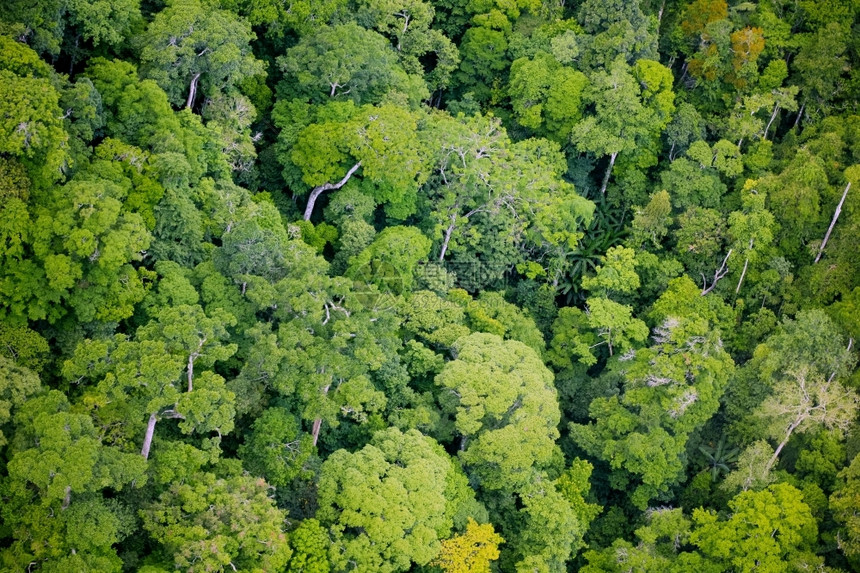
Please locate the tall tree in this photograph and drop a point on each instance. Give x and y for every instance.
(659, 547)
(766, 531)
(348, 62)
(804, 399)
(57, 471)
(388, 505)
(615, 29)
(32, 129)
(376, 145)
(843, 503)
(390, 261)
(670, 389)
(103, 22)
(470, 552)
(196, 523)
(407, 23)
(83, 243)
(302, 17)
(190, 47)
(547, 97)
(504, 407)
(18, 384)
(751, 232)
(810, 344)
(493, 202)
(631, 107)
(820, 67)
(141, 378)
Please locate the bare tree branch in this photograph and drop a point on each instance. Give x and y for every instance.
(718, 274)
(833, 222)
(317, 191)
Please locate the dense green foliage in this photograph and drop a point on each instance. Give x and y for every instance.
(330, 286)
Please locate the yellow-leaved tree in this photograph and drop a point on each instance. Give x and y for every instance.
(472, 551)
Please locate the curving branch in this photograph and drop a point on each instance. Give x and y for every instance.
(192, 91)
(317, 191)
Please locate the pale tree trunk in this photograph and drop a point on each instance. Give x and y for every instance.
(315, 432)
(317, 191)
(67, 498)
(608, 173)
(833, 222)
(782, 444)
(147, 439)
(684, 72)
(772, 117)
(744, 272)
(190, 373)
(448, 232)
(191, 358)
(192, 92)
(799, 115)
(405, 27)
(718, 274)
(833, 374)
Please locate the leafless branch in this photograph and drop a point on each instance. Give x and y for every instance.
(832, 223)
(718, 274)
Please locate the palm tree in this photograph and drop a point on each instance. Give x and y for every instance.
(719, 457)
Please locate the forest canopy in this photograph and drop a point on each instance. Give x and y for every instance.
(429, 286)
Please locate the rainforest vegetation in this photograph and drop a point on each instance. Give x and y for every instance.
(438, 286)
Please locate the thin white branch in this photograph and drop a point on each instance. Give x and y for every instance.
(832, 223)
(718, 274)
